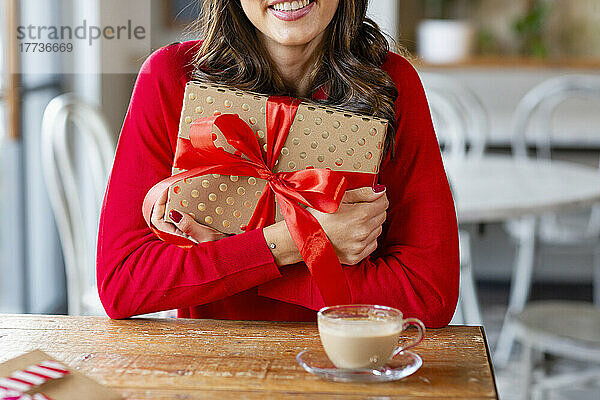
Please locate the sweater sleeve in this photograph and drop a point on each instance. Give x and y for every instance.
(136, 272)
(416, 265)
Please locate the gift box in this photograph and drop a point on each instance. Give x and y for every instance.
(244, 161)
(37, 376)
(319, 137)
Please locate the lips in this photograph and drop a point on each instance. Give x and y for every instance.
(291, 10)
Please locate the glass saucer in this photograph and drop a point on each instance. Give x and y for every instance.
(316, 362)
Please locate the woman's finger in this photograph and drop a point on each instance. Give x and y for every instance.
(373, 236)
(200, 233)
(158, 214)
(158, 211)
(377, 220)
(363, 194)
(377, 206)
(368, 250)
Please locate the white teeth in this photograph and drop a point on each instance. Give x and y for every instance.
(291, 5)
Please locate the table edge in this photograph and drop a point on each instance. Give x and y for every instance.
(489, 357)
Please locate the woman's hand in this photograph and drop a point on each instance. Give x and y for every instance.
(184, 225)
(353, 229)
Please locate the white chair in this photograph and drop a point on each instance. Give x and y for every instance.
(580, 233)
(461, 120)
(461, 124)
(68, 123)
(533, 124)
(563, 329)
(533, 119)
(76, 134)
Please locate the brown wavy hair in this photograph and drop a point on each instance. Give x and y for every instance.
(348, 65)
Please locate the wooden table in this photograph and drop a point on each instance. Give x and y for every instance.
(209, 359)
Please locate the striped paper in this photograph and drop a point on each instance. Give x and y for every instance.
(14, 386)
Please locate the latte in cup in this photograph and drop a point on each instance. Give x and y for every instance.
(363, 336)
(360, 345)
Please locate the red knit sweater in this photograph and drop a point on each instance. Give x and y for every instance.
(415, 268)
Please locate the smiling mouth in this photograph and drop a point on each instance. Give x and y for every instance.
(291, 6)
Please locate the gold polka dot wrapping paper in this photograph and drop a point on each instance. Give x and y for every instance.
(320, 137)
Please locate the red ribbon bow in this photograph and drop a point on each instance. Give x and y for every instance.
(321, 189)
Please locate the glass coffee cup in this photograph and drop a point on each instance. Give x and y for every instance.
(361, 336)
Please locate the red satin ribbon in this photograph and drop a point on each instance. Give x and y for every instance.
(320, 189)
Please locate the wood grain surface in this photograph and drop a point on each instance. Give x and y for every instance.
(210, 359)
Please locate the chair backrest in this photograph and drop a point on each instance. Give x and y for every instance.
(459, 117)
(77, 153)
(534, 118)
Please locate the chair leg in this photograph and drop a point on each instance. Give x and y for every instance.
(596, 276)
(470, 301)
(458, 318)
(539, 370)
(526, 371)
(552, 383)
(538, 394)
(519, 288)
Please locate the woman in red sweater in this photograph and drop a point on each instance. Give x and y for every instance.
(398, 241)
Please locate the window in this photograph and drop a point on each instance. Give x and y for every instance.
(30, 260)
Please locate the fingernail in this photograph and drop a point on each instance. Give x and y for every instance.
(175, 216)
(379, 188)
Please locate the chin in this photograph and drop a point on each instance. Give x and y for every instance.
(294, 36)
(294, 40)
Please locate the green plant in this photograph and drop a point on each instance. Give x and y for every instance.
(446, 9)
(530, 29)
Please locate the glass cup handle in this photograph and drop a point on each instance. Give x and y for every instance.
(420, 327)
